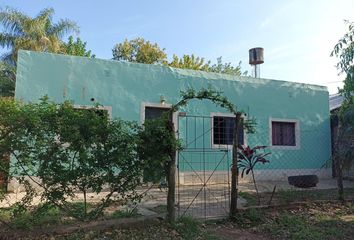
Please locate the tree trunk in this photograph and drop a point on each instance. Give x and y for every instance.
(234, 168)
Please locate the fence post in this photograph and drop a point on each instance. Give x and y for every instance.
(171, 180)
(338, 162)
(234, 168)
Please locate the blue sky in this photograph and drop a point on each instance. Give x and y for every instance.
(297, 35)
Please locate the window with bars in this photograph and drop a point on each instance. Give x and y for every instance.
(283, 133)
(223, 128)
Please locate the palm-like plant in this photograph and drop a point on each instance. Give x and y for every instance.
(36, 34)
(248, 158)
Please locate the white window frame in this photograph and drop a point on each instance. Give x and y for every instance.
(156, 105)
(107, 108)
(297, 133)
(219, 114)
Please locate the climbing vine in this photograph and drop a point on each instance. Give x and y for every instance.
(218, 99)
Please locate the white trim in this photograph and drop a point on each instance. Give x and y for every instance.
(157, 105)
(220, 114)
(265, 176)
(297, 134)
(107, 108)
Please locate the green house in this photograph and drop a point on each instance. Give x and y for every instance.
(292, 118)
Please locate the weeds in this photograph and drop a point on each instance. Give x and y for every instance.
(250, 198)
(250, 218)
(127, 213)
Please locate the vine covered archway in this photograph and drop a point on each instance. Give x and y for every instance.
(222, 101)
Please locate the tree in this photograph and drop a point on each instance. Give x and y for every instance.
(69, 151)
(139, 50)
(344, 150)
(37, 34)
(7, 80)
(142, 51)
(190, 62)
(198, 63)
(344, 49)
(227, 68)
(77, 48)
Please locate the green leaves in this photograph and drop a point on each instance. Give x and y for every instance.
(143, 51)
(248, 158)
(157, 146)
(77, 48)
(71, 150)
(344, 50)
(139, 50)
(37, 34)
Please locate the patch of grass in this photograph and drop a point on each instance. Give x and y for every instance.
(42, 215)
(316, 221)
(288, 226)
(190, 228)
(250, 198)
(5, 214)
(293, 195)
(127, 213)
(160, 209)
(77, 209)
(187, 227)
(250, 217)
(287, 196)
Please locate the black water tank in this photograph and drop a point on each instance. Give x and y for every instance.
(256, 56)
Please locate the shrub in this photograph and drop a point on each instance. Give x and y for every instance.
(69, 151)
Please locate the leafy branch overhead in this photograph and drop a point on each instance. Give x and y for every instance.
(344, 50)
(218, 99)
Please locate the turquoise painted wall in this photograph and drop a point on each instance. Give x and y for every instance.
(124, 86)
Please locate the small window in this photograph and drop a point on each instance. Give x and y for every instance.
(223, 131)
(283, 133)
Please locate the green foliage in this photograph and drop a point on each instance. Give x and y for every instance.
(37, 34)
(198, 63)
(127, 213)
(188, 228)
(190, 62)
(158, 145)
(250, 217)
(218, 99)
(77, 48)
(158, 142)
(139, 50)
(226, 68)
(41, 215)
(142, 51)
(344, 50)
(250, 198)
(248, 158)
(290, 226)
(70, 151)
(205, 94)
(7, 80)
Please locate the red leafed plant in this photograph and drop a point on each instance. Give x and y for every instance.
(248, 158)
